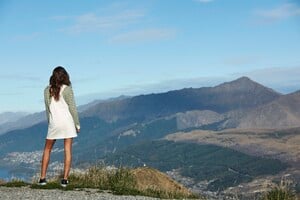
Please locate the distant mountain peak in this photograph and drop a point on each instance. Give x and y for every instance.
(244, 83)
(245, 79)
(241, 80)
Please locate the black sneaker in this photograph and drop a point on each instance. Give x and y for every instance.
(64, 182)
(42, 181)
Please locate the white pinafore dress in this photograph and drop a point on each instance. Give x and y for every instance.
(61, 123)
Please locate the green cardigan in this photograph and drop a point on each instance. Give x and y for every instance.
(69, 99)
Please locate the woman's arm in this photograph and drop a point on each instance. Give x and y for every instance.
(69, 98)
(47, 101)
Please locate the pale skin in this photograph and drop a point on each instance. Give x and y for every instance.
(68, 156)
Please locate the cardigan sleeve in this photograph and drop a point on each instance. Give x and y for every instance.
(47, 102)
(69, 98)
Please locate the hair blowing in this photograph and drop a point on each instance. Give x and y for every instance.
(59, 77)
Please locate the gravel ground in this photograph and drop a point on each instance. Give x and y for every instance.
(23, 193)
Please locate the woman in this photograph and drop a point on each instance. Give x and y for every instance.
(62, 119)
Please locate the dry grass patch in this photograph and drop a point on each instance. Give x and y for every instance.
(152, 179)
(2, 182)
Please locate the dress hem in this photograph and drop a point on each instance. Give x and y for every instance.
(58, 138)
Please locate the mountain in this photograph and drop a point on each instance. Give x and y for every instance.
(95, 102)
(23, 122)
(283, 112)
(7, 117)
(242, 93)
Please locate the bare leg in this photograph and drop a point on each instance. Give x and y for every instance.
(68, 156)
(46, 157)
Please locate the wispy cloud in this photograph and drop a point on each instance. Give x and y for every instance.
(12, 94)
(281, 12)
(117, 24)
(144, 35)
(204, 1)
(15, 77)
(91, 22)
(26, 37)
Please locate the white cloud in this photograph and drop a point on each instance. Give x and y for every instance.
(143, 35)
(116, 23)
(91, 22)
(278, 13)
(204, 1)
(14, 77)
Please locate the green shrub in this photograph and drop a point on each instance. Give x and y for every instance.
(15, 183)
(50, 185)
(122, 181)
(94, 177)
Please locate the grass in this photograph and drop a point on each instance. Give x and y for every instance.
(282, 191)
(279, 194)
(120, 181)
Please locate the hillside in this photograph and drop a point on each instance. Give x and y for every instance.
(281, 144)
(283, 112)
(210, 167)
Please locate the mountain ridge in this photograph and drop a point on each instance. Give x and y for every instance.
(147, 107)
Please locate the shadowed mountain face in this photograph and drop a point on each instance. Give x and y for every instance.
(242, 93)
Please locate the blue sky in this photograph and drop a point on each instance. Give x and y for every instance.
(131, 47)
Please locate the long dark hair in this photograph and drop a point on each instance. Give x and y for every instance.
(59, 77)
